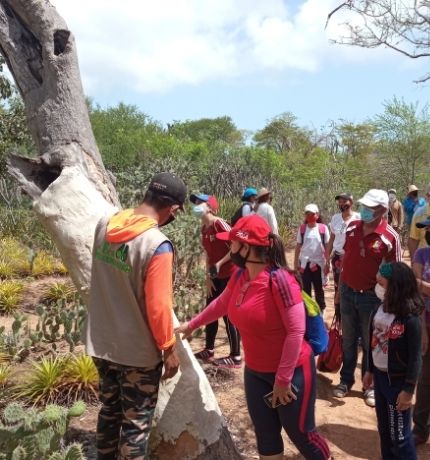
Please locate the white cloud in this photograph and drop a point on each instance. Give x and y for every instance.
(155, 45)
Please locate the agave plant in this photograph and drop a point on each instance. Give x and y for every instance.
(43, 264)
(81, 379)
(10, 295)
(5, 371)
(60, 290)
(44, 381)
(14, 258)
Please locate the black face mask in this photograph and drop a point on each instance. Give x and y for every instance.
(427, 237)
(238, 259)
(168, 221)
(344, 207)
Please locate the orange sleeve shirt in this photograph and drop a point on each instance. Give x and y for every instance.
(158, 291)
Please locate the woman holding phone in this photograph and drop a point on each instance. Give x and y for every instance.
(263, 300)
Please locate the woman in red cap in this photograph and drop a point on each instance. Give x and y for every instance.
(218, 271)
(263, 300)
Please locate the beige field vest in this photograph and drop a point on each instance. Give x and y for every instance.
(117, 327)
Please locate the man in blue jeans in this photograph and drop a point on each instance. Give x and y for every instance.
(369, 242)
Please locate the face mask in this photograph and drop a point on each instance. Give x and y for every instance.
(168, 221)
(367, 215)
(311, 219)
(199, 210)
(380, 292)
(238, 259)
(344, 207)
(427, 237)
(391, 197)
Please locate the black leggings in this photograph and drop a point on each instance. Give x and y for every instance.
(297, 417)
(313, 278)
(212, 328)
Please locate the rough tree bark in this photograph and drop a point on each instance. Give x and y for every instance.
(71, 190)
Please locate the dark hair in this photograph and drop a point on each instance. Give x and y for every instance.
(158, 201)
(274, 255)
(402, 297)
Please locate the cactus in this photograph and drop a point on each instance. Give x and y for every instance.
(29, 434)
(74, 452)
(60, 320)
(77, 409)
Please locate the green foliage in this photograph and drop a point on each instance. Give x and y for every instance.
(59, 379)
(81, 379)
(208, 130)
(282, 135)
(61, 320)
(44, 381)
(10, 296)
(122, 134)
(31, 434)
(45, 264)
(59, 290)
(403, 135)
(15, 344)
(5, 372)
(14, 258)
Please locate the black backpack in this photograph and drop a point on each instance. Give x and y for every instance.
(237, 215)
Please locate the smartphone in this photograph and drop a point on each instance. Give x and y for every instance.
(213, 272)
(268, 398)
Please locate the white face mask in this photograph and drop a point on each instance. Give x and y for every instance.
(391, 197)
(380, 291)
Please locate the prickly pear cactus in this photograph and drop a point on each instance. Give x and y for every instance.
(31, 434)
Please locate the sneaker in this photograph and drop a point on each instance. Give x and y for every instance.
(228, 362)
(205, 355)
(341, 390)
(369, 397)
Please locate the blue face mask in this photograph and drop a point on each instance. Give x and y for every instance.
(199, 210)
(367, 215)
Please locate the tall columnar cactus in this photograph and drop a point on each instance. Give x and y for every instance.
(31, 434)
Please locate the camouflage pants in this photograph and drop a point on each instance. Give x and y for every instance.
(128, 396)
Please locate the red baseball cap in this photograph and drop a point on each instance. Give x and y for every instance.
(253, 230)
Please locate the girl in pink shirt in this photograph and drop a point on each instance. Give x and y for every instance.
(263, 300)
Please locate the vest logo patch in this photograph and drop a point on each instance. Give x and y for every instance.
(115, 257)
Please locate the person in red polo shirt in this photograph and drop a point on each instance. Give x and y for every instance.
(369, 242)
(218, 271)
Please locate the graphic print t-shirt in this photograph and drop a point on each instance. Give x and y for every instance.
(381, 328)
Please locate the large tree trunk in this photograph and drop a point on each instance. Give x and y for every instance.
(71, 190)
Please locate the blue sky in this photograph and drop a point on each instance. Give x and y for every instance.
(248, 59)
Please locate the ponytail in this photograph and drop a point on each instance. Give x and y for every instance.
(276, 252)
(274, 255)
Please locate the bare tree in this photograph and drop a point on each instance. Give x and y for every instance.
(71, 190)
(401, 25)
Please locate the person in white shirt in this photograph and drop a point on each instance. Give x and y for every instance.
(310, 253)
(265, 210)
(334, 250)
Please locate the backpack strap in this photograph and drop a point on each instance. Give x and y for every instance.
(321, 230)
(302, 232)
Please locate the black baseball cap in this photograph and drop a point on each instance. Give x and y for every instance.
(345, 196)
(424, 223)
(170, 185)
